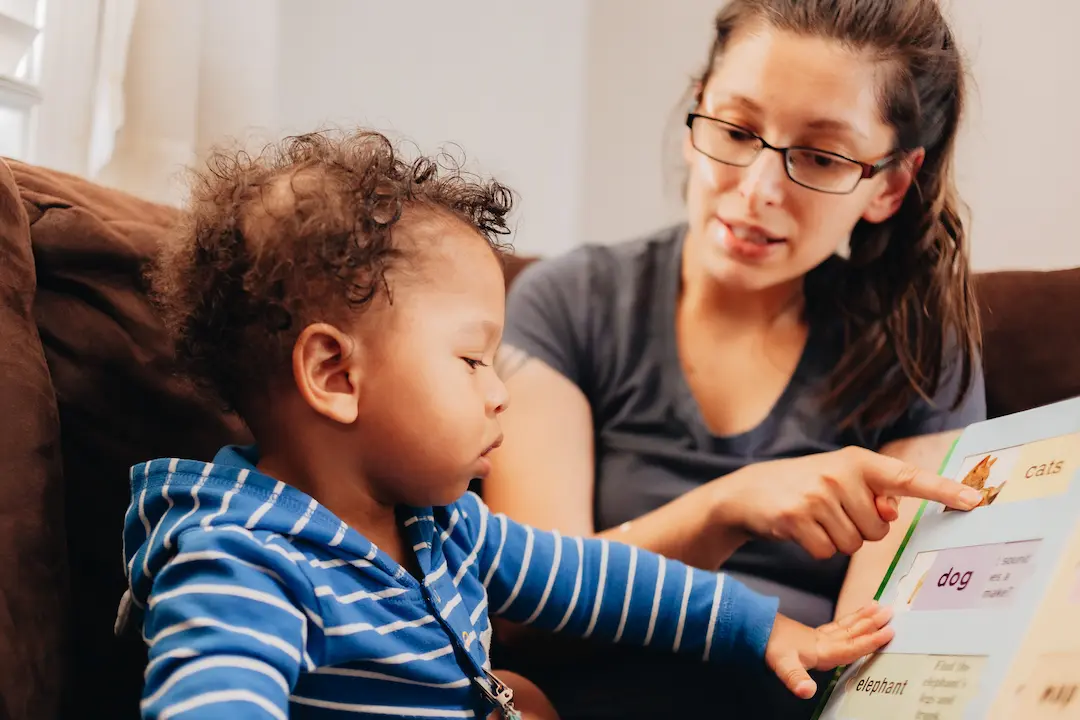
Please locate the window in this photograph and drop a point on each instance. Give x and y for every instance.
(21, 23)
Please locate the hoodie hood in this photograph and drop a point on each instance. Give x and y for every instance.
(171, 496)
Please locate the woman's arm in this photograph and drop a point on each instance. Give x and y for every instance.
(543, 475)
(869, 564)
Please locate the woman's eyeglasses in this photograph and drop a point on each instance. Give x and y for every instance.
(815, 169)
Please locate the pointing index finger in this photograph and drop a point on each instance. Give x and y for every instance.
(890, 476)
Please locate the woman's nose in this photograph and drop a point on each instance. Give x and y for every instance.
(762, 181)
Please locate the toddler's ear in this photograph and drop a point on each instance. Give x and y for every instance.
(326, 369)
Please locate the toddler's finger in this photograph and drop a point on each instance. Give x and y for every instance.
(849, 620)
(844, 651)
(791, 671)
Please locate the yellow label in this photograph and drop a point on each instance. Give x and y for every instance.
(1044, 468)
(893, 686)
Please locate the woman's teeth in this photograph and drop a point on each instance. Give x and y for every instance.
(750, 236)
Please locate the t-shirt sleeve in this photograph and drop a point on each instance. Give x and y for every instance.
(939, 416)
(548, 316)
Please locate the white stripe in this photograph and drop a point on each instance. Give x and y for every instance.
(142, 500)
(205, 622)
(236, 662)
(656, 599)
(682, 609)
(498, 552)
(449, 607)
(475, 616)
(629, 592)
(160, 522)
(599, 589)
(359, 627)
(324, 590)
(336, 563)
(712, 616)
(435, 575)
(368, 674)
(421, 546)
(223, 696)
(265, 507)
(419, 518)
(241, 478)
(522, 572)
(406, 657)
(293, 556)
(399, 711)
(229, 590)
(339, 536)
(304, 519)
(185, 557)
(470, 638)
(577, 585)
(194, 507)
(327, 564)
(551, 579)
(454, 517)
(475, 549)
(485, 642)
(181, 652)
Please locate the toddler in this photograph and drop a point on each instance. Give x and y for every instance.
(348, 303)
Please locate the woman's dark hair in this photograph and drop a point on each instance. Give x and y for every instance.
(907, 299)
(303, 232)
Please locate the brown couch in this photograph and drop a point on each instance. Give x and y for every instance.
(86, 391)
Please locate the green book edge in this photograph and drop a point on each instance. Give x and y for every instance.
(885, 581)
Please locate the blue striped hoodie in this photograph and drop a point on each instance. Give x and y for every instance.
(258, 602)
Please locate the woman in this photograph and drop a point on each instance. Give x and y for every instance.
(702, 385)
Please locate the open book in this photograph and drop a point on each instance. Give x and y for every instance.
(987, 602)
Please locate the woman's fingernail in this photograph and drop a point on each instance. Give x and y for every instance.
(971, 496)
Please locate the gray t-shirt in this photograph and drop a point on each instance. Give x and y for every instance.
(604, 317)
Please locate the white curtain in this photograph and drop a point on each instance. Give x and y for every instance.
(134, 104)
(116, 20)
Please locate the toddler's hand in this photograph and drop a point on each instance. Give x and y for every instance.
(795, 648)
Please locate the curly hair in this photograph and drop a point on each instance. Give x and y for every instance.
(302, 233)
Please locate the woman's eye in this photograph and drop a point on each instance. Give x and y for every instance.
(739, 136)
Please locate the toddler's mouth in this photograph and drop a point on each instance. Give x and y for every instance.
(492, 446)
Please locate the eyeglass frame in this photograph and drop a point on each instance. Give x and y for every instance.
(869, 170)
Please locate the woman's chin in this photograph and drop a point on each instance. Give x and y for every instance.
(736, 274)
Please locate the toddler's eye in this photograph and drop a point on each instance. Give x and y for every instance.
(473, 363)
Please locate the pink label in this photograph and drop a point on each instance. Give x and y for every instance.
(977, 577)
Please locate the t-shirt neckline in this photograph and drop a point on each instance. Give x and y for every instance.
(687, 406)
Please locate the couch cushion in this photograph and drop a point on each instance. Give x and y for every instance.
(119, 404)
(33, 578)
(1030, 339)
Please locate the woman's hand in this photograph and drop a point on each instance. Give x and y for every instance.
(795, 648)
(828, 502)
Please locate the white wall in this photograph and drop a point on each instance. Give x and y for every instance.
(1019, 162)
(503, 80)
(573, 103)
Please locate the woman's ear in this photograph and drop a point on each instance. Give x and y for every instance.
(897, 181)
(327, 371)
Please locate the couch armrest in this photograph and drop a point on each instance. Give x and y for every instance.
(33, 557)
